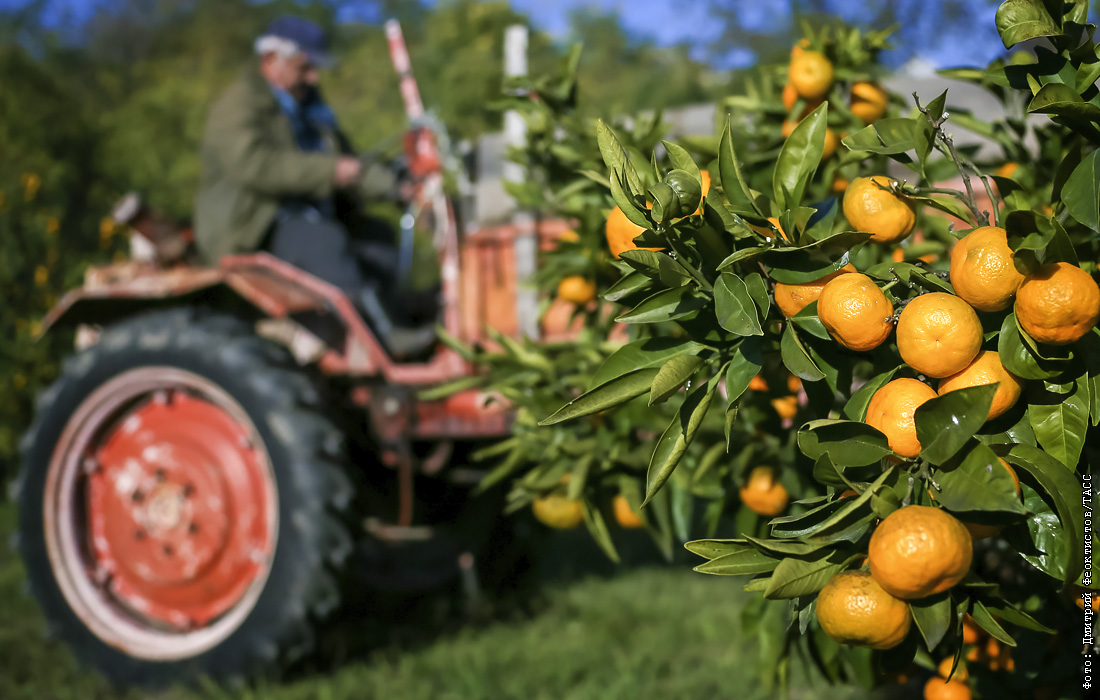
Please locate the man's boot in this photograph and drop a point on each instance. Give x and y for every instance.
(402, 342)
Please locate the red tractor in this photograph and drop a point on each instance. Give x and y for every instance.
(196, 478)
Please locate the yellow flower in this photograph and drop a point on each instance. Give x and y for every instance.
(41, 275)
(52, 225)
(106, 227)
(36, 328)
(31, 183)
(19, 381)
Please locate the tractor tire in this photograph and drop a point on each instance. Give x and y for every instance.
(181, 502)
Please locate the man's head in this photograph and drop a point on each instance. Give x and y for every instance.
(291, 51)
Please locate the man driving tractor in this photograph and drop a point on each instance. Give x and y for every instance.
(278, 176)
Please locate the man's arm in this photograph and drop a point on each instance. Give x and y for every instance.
(234, 135)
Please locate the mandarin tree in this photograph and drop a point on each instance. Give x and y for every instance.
(938, 432)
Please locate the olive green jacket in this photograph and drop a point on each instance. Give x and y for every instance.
(250, 160)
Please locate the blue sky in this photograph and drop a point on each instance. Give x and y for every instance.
(674, 21)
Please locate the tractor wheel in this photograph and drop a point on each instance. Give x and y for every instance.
(180, 502)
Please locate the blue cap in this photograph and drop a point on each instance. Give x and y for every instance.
(309, 37)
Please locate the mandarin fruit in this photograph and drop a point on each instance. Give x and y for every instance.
(892, 409)
(853, 608)
(1058, 304)
(982, 270)
(855, 311)
(868, 207)
(792, 298)
(918, 551)
(939, 334)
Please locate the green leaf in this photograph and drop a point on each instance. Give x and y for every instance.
(1060, 419)
(986, 621)
(798, 159)
(712, 549)
(688, 189)
(672, 375)
(1015, 354)
(682, 160)
(979, 482)
(657, 265)
(933, 617)
(640, 354)
(1081, 193)
(745, 364)
(856, 407)
(734, 307)
(614, 157)
(627, 285)
(945, 423)
(814, 260)
(1009, 613)
(1020, 20)
(1062, 101)
(1090, 350)
(798, 577)
(666, 305)
(749, 561)
(597, 527)
(848, 443)
(886, 137)
(729, 169)
(796, 359)
(626, 201)
(808, 320)
(676, 438)
(758, 290)
(607, 395)
(1064, 491)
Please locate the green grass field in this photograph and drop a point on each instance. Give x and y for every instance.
(649, 632)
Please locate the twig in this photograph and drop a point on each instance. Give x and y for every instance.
(948, 142)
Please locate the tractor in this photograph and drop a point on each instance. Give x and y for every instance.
(228, 440)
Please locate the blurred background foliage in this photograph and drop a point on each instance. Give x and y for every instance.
(116, 102)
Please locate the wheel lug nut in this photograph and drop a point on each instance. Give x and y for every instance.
(168, 551)
(188, 490)
(193, 528)
(161, 475)
(137, 496)
(139, 535)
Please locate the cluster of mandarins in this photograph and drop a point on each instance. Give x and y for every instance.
(809, 80)
(918, 550)
(559, 511)
(939, 335)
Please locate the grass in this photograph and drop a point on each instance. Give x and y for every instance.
(649, 632)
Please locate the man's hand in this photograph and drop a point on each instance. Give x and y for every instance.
(348, 171)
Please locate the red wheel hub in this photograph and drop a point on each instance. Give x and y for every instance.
(177, 508)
